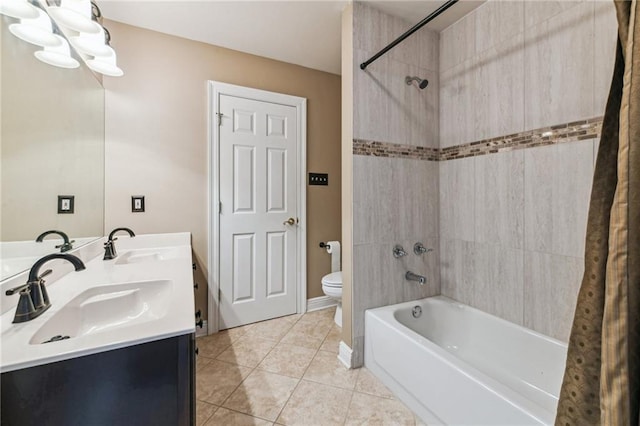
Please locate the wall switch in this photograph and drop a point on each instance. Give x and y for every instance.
(319, 179)
(66, 204)
(137, 203)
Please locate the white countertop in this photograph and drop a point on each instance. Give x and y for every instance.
(173, 319)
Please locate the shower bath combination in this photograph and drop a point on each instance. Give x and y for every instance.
(421, 83)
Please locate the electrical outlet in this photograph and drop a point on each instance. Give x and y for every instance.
(319, 179)
(137, 203)
(66, 204)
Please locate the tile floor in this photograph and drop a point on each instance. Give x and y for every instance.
(285, 371)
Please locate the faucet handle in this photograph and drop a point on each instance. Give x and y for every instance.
(419, 248)
(44, 274)
(398, 251)
(66, 246)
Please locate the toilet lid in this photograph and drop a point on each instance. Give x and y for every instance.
(333, 279)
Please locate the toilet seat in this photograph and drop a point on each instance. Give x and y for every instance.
(333, 279)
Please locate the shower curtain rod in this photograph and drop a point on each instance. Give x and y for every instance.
(413, 29)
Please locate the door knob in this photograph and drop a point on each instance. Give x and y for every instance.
(290, 221)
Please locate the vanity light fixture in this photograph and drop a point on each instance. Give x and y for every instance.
(59, 56)
(82, 16)
(75, 15)
(106, 65)
(19, 9)
(38, 31)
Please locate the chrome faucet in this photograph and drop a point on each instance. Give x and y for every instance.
(398, 251)
(34, 299)
(419, 248)
(66, 244)
(110, 248)
(410, 276)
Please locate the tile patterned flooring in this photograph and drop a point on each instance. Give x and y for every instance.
(285, 371)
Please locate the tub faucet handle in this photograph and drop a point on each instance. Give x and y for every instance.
(419, 248)
(398, 251)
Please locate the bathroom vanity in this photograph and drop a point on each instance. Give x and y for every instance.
(125, 353)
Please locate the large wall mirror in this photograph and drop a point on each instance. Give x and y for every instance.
(51, 144)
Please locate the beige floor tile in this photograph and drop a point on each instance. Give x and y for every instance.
(201, 362)
(287, 359)
(262, 394)
(331, 343)
(213, 345)
(293, 318)
(316, 404)
(327, 313)
(224, 417)
(217, 380)
(326, 369)
(309, 334)
(368, 383)
(372, 410)
(247, 351)
(204, 410)
(274, 329)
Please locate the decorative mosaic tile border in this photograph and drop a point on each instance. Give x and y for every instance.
(385, 149)
(561, 133)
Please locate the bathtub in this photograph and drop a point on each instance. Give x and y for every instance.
(456, 365)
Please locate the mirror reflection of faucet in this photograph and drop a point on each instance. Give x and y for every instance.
(109, 247)
(66, 244)
(34, 299)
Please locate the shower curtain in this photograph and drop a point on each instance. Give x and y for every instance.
(602, 376)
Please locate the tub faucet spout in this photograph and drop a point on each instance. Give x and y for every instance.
(410, 276)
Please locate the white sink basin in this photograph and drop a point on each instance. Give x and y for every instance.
(108, 307)
(147, 255)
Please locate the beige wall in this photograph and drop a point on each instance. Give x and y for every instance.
(156, 137)
(52, 143)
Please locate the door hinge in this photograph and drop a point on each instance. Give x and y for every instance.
(219, 114)
(219, 295)
(220, 207)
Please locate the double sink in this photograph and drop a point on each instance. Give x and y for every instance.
(144, 294)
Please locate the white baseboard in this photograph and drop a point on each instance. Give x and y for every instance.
(321, 302)
(345, 355)
(202, 331)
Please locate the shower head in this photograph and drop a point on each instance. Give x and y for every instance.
(421, 83)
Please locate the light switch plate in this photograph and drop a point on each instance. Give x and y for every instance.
(319, 179)
(137, 203)
(66, 204)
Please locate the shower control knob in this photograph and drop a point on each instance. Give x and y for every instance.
(419, 249)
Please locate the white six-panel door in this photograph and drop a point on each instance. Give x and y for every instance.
(258, 181)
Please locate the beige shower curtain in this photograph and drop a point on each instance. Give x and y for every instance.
(601, 381)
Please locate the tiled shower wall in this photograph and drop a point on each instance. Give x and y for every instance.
(512, 224)
(395, 200)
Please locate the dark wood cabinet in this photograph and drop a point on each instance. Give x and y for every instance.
(147, 384)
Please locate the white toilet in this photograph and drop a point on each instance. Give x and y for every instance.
(332, 287)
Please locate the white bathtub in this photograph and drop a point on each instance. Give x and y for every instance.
(456, 365)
